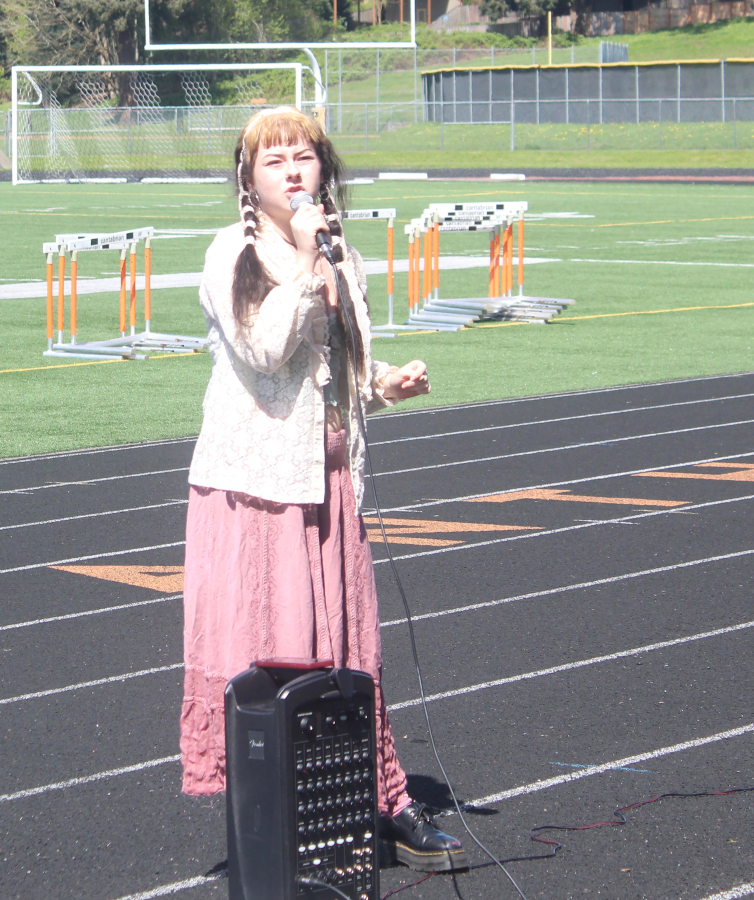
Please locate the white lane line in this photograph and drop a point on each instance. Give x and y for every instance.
(741, 890)
(107, 512)
(611, 412)
(553, 484)
(89, 684)
(433, 615)
(175, 887)
(667, 262)
(582, 773)
(454, 549)
(582, 585)
(546, 783)
(538, 534)
(569, 667)
(433, 410)
(89, 612)
(88, 779)
(59, 484)
(75, 559)
(633, 437)
(94, 451)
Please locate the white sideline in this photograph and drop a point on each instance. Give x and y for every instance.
(25, 290)
(569, 667)
(89, 612)
(107, 512)
(87, 779)
(584, 585)
(617, 440)
(666, 262)
(736, 893)
(545, 783)
(741, 890)
(58, 484)
(591, 770)
(453, 549)
(546, 533)
(173, 888)
(442, 465)
(36, 695)
(597, 415)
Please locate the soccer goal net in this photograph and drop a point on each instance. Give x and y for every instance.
(137, 123)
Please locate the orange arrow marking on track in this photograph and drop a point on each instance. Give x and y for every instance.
(742, 472)
(168, 579)
(550, 494)
(404, 531)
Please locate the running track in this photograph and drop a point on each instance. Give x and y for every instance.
(580, 570)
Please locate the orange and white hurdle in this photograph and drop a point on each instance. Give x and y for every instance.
(131, 346)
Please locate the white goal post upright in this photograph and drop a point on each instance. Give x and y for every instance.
(45, 136)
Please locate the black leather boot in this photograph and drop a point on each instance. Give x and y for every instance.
(413, 839)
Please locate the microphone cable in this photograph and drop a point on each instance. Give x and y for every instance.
(399, 583)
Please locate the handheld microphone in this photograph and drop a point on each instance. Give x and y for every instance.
(322, 237)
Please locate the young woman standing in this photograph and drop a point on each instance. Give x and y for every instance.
(278, 564)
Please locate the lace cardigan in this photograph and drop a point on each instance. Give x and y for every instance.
(263, 432)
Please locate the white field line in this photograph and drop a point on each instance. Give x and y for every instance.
(538, 534)
(85, 481)
(75, 559)
(108, 512)
(612, 412)
(534, 595)
(114, 448)
(666, 262)
(394, 509)
(605, 443)
(36, 695)
(88, 779)
(592, 770)
(554, 484)
(462, 462)
(89, 612)
(582, 585)
(27, 290)
(453, 549)
(546, 783)
(741, 890)
(167, 889)
(428, 410)
(569, 667)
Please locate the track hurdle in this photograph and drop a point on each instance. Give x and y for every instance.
(134, 346)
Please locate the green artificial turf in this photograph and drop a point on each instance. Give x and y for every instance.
(56, 405)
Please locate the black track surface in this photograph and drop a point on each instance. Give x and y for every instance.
(134, 835)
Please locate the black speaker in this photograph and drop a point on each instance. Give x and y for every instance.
(302, 810)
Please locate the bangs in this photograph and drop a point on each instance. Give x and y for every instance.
(285, 129)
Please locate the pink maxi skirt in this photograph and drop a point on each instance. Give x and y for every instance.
(268, 580)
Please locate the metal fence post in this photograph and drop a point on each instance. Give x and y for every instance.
(416, 91)
(660, 117)
(588, 127)
(340, 91)
(377, 107)
(513, 117)
(442, 123)
(735, 124)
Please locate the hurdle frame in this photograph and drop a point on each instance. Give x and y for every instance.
(133, 346)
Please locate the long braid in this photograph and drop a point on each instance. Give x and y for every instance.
(333, 221)
(250, 282)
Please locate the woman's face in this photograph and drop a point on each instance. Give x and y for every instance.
(279, 172)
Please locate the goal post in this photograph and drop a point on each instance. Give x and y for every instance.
(73, 124)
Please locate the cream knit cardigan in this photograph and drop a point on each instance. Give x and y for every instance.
(263, 432)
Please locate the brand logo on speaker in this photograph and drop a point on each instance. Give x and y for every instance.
(256, 745)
